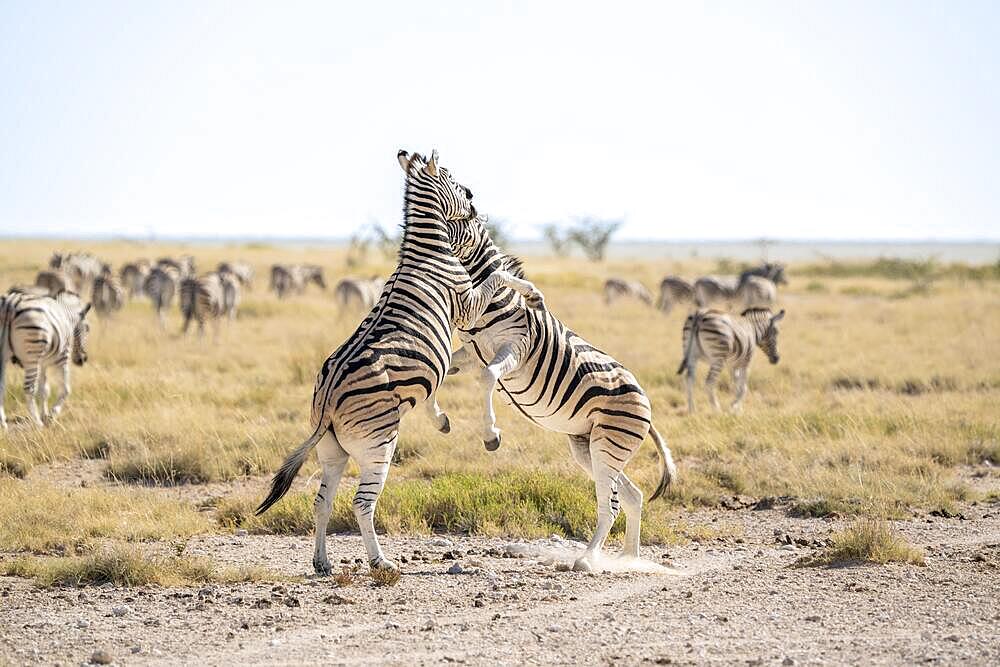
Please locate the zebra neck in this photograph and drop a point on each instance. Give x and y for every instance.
(758, 321)
(484, 263)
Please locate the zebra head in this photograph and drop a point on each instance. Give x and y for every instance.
(431, 190)
(81, 330)
(768, 341)
(467, 237)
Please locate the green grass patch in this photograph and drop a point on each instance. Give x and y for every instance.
(868, 541)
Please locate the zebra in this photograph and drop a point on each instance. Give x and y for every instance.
(241, 270)
(55, 281)
(160, 286)
(294, 278)
(210, 297)
(674, 290)
(615, 288)
(184, 265)
(36, 332)
(712, 289)
(82, 267)
(722, 338)
(363, 293)
(756, 292)
(132, 276)
(560, 382)
(108, 295)
(773, 272)
(396, 358)
(30, 290)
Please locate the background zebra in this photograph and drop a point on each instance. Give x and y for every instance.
(287, 279)
(773, 272)
(714, 289)
(213, 296)
(616, 288)
(721, 338)
(108, 295)
(395, 359)
(183, 265)
(358, 292)
(82, 267)
(242, 271)
(160, 286)
(35, 333)
(560, 382)
(132, 276)
(55, 281)
(756, 292)
(674, 290)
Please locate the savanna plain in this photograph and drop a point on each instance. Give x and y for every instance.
(849, 514)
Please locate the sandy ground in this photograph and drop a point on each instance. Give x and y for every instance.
(733, 600)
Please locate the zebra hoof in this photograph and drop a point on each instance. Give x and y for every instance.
(322, 567)
(582, 565)
(384, 564)
(446, 426)
(492, 445)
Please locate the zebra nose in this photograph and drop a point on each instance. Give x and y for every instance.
(468, 193)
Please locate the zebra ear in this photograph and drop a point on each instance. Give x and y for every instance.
(86, 309)
(778, 317)
(432, 166)
(404, 161)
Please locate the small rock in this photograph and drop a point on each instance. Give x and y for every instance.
(100, 657)
(428, 625)
(478, 603)
(292, 602)
(952, 638)
(812, 619)
(455, 569)
(82, 623)
(391, 625)
(121, 610)
(788, 662)
(563, 567)
(442, 542)
(554, 628)
(786, 547)
(241, 532)
(136, 649)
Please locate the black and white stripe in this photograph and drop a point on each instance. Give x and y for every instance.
(395, 359)
(289, 279)
(361, 293)
(132, 276)
(616, 288)
(721, 338)
(160, 286)
(211, 297)
(108, 294)
(562, 383)
(674, 290)
(82, 267)
(37, 332)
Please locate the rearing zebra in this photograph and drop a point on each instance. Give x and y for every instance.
(396, 358)
(560, 382)
(36, 332)
(722, 338)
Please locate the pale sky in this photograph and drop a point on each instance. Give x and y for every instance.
(695, 120)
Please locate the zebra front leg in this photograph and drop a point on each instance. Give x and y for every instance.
(30, 389)
(740, 378)
(333, 458)
(64, 390)
(713, 377)
(608, 505)
(503, 363)
(44, 393)
(689, 381)
(631, 497)
(437, 415)
(374, 469)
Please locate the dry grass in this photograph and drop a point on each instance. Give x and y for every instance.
(868, 541)
(877, 400)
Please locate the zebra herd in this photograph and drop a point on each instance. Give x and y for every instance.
(716, 336)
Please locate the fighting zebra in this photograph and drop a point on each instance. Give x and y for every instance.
(213, 296)
(55, 281)
(721, 338)
(674, 290)
(35, 333)
(82, 267)
(360, 292)
(287, 279)
(132, 276)
(242, 271)
(160, 286)
(616, 288)
(108, 295)
(773, 272)
(396, 358)
(560, 382)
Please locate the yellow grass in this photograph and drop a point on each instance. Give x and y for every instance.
(882, 392)
(868, 540)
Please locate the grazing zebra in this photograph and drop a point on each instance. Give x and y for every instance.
(55, 281)
(241, 270)
(713, 289)
(184, 265)
(615, 288)
(36, 332)
(560, 382)
(289, 279)
(674, 290)
(773, 272)
(132, 276)
(82, 267)
(359, 292)
(108, 295)
(160, 286)
(210, 297)
(396, 358)
(721, 338)
(756, 292)
(30, 290)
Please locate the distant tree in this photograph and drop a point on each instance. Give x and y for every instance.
(385, 241)
(357, 251)
(557, 240)
(498, 229)
(593, 235)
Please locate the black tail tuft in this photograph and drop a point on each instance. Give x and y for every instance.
(283, 479)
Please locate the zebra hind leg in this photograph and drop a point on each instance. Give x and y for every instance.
(44, 392)
(374, 465)
(64, 390)
(437, 415)
(608, 505)
(30, 389)
(631, 498)
(740, 377)
(504, 361)
(710, 381)
(333, 458)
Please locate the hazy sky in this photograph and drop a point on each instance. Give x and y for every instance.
(691, 120)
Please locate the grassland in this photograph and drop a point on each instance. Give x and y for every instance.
(887, 390)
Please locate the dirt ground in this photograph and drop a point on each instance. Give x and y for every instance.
(733, 600)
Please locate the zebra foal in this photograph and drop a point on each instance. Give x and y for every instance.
(395, 359)
(37, 332)
(560, 382)
(721, 338)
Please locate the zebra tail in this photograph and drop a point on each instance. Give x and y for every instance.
(668, 474)
(283, 479)
(695, 320)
